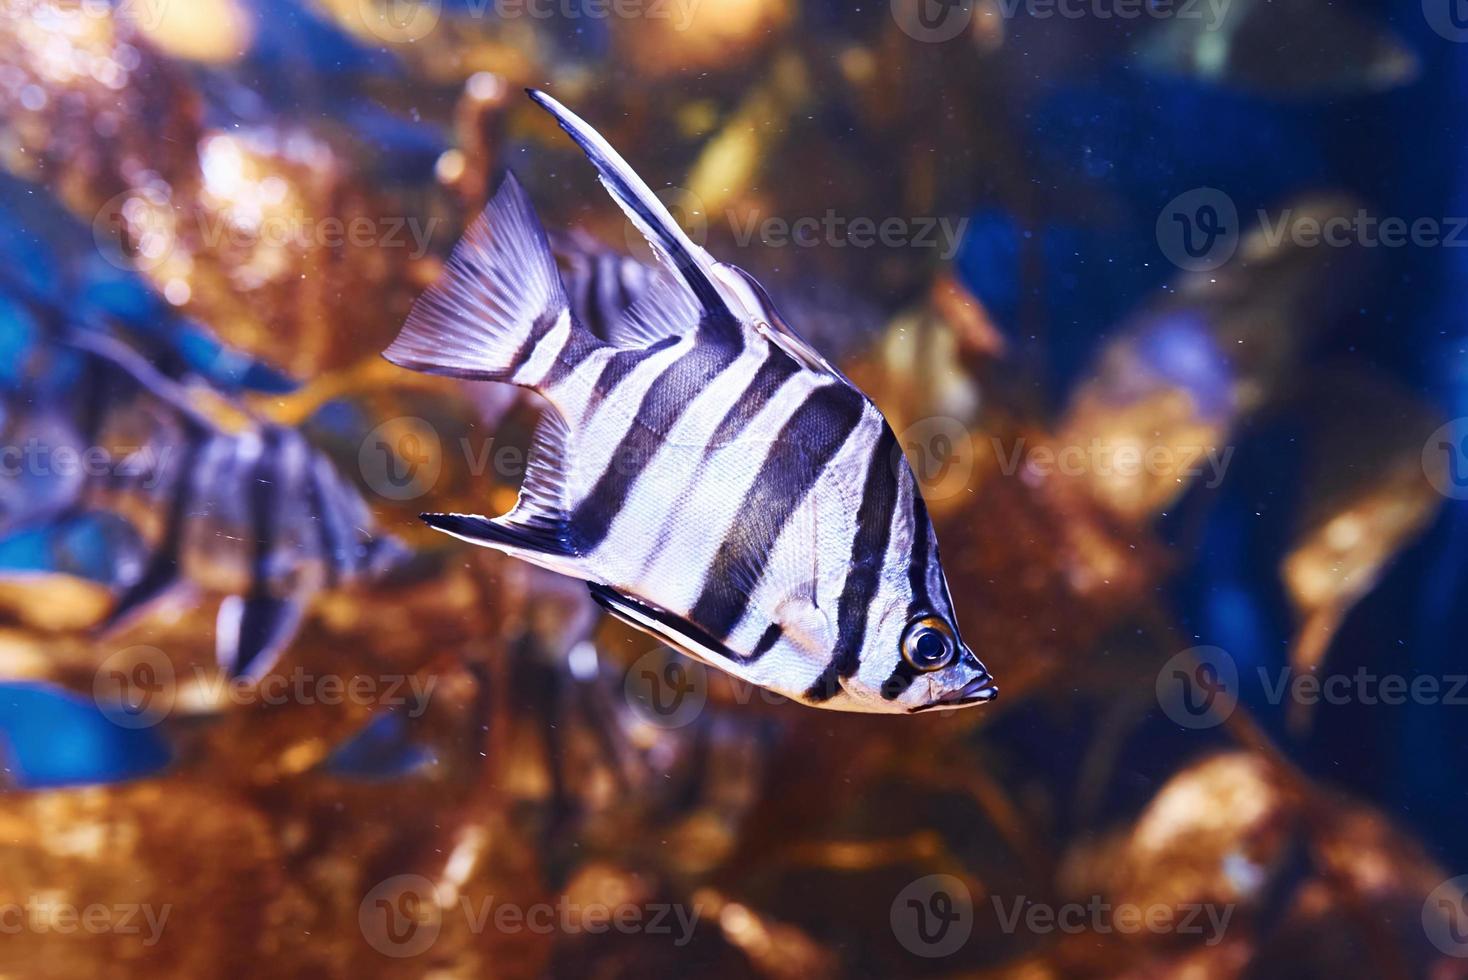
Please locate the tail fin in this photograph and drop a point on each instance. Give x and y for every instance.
(498, 298)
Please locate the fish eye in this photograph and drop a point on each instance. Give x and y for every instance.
(928, 644)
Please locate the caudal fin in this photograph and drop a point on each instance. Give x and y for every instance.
(499, 297)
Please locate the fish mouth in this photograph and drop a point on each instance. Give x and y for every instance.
(977, 691)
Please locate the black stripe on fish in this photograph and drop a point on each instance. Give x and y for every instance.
(799, 455)
(322, 503)
(543, 325)
(777, 368)
(868, 554)
(767, 642)
(626, 295)
(261, 618)
(617, 367)
(917, 575)
(591, 313)
(662, 405)
(922, 550)
(579, 347)
(162, 570)
(265, 503)
(611, 294)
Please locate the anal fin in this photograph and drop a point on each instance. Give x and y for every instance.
(539, 528)
(674, 630)
(522, 540)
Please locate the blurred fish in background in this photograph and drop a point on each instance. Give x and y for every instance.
(244, 694)
(1282, 49)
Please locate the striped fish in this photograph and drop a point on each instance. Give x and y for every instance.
(714, 480)
(601, 285)
(260, 515)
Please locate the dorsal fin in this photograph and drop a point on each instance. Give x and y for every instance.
(768, 321)
(630, 303)
(665, 310)
(691, 262)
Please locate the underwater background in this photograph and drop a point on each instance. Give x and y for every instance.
(1164, 299)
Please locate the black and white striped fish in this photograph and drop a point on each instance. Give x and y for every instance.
(712, 478)
(601, 285)
(259, 515)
